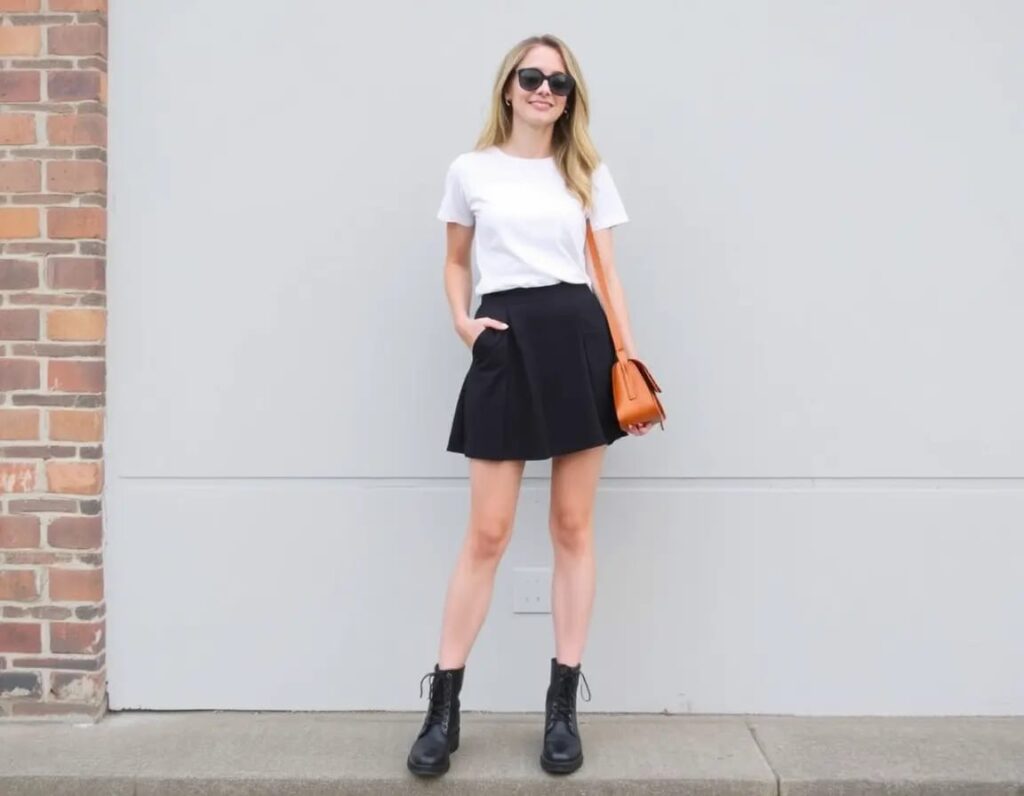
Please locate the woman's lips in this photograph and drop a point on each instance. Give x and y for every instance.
(543, 105)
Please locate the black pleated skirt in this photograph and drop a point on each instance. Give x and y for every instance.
(543, 386)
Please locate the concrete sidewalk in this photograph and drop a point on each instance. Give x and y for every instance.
(215, 752)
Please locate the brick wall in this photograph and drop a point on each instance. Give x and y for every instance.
(53, 175)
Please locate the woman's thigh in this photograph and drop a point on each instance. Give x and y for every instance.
(574, 480)
(493, 494)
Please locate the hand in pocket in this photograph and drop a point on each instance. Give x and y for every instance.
(474, 327)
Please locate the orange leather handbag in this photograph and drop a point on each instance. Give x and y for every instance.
(633, 387)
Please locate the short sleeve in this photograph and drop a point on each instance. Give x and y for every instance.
(454, 206)
(607, 204)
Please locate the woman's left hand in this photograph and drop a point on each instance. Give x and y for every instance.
(636, 429)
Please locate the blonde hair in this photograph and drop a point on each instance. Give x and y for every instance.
(574, 152)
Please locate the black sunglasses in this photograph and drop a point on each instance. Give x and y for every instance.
(530, 79)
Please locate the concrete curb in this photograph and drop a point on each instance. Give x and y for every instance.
(218, 752)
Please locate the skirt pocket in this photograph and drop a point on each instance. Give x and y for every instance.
(481, 343)
(476, 343)
(541, 387)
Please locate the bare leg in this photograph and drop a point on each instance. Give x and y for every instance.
(494, 492)
(574, 479)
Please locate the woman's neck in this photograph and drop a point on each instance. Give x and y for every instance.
(528, 143)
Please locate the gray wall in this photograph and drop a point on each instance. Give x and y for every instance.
(823, 269)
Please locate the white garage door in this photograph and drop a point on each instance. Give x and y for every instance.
(822, 269)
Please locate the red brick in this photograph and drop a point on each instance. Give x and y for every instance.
(26, 505)
(76, 637)
(20, 176)
(19, 585)
(76, 585)
(19, 374)
(74, 687)
(90, 713)
(76, 273)
(17, 477)
(19, 85)
(76, 376)
(42, 247)
(19, 636)
(19, 424)
(76, 324)
(35, 199)
(19, 531)
(77, 40)
(76, 176)
(18, 274)
(76, 222)
(40, 557)
(76, 478)
(20, 40)
(37, 299)
(55, 205)
(17, 128)
(77, 425)
(19, 324)
(78, 5)
(74, 84)
(77, 129)
(19, 222)
(76, 533)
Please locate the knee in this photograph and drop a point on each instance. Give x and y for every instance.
(571, 530)
(488, 539)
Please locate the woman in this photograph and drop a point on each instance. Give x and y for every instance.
(539, 382)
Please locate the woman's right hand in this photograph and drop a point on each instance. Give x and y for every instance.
(472, 328)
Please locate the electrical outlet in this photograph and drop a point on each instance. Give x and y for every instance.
(531, 590)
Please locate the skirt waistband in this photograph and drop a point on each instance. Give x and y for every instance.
(539, 292)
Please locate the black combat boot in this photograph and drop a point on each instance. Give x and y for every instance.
(439, 734)
(563, 750)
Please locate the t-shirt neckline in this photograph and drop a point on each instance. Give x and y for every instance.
(504, 154)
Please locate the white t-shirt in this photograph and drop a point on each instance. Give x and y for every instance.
(530, 231)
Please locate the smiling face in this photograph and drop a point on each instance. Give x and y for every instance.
(540, 107)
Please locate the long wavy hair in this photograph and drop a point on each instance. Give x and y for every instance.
(574, 152)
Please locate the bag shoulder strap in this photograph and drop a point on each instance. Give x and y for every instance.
(613, 321)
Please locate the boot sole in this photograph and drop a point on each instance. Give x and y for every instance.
(432, 771)
(560, 766)
(426, 771)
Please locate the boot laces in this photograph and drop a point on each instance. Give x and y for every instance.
(562, 703)
(437, 702)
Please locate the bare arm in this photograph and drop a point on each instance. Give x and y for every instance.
(603, 241)
(458, 282)
(458, 276)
